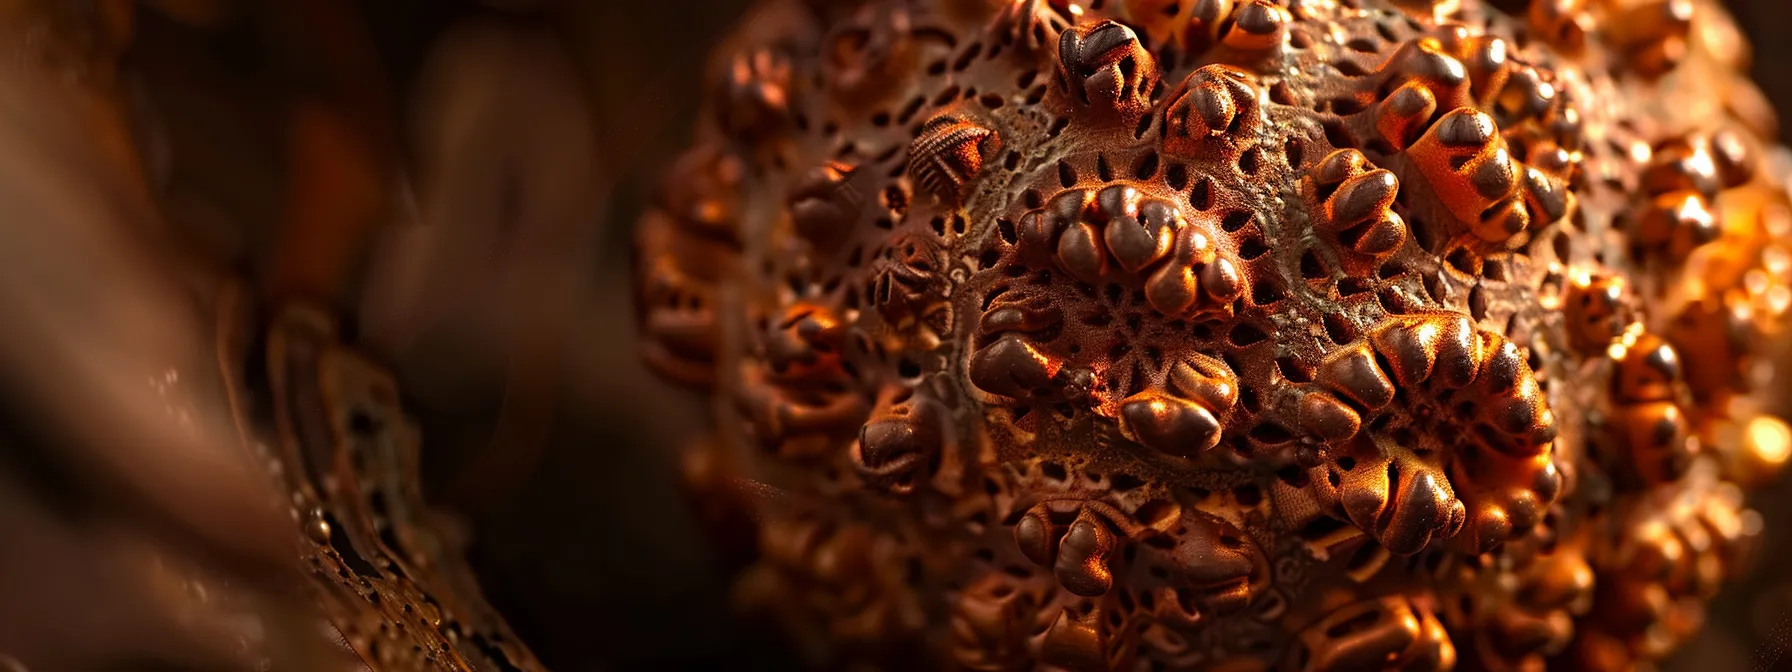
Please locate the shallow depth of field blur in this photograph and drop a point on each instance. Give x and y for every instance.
(580, 539)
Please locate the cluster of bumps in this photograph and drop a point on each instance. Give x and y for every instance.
(1229, 334)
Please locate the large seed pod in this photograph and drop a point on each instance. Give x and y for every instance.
(1248, 333)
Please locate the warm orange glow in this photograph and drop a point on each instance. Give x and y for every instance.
(1770, 439)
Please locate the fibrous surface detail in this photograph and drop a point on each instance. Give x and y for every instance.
(1229, 334)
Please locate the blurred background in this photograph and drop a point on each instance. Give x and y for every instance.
(535, 131)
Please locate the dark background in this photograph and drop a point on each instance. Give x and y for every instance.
(588, 552)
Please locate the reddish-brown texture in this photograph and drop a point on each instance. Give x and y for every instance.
(1214, 334)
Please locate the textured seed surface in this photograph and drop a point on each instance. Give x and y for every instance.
(1231, 334)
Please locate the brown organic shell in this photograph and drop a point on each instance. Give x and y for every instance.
(1294, 334)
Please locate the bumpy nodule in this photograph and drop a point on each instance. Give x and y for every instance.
(1229, 334)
